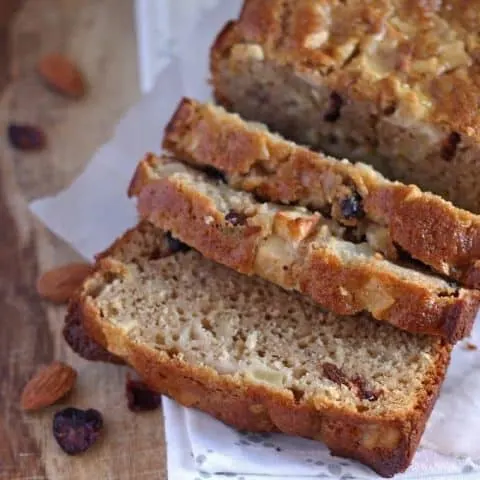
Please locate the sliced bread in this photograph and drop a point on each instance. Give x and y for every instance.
(298, 250)
(391, 83)
(260, 358)
(397, 219)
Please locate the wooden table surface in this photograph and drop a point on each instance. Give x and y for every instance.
(99, 36)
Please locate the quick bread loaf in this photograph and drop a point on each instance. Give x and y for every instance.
(257, 357)
(394, 83)
(320, 298)
(298, 250)
(396, 219)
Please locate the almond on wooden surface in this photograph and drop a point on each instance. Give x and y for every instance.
(59, 284)
(49, 384)
(61, 74)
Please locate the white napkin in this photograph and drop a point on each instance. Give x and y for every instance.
(94, 210)
(200, 447)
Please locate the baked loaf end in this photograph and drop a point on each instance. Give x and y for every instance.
(393, 83)
(396, 219)
(259, 358)
(139, 242)
(298, 250)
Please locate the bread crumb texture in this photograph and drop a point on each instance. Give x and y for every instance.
(242, 326)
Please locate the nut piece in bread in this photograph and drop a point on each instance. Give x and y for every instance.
(260, 358)
(347, 277)
(251, 158)
(390, 83)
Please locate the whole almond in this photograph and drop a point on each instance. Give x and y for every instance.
(48, 385)
(59, 284)
(62, 75)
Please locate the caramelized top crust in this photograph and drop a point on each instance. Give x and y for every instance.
(417, 58)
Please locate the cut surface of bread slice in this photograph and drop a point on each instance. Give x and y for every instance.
(298, 250)
(395, 218)
(394, 83)
(260, 358)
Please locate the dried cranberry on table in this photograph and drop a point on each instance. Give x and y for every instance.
(77, 430)
(140, 398)
(26, 137)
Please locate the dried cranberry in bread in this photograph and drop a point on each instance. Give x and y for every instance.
(298, 250)
(394, 83)
(260, 358)
(398, 219)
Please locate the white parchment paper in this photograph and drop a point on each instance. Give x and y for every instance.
(94, 210)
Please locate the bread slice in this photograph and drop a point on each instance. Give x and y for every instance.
(397, 219)
(298, 250)
(394, 84)
(260, 358)
(82, 344)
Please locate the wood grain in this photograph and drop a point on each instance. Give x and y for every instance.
(99, 36)
(7, 10)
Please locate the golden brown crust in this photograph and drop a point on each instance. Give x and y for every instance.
(405, 75)
(255, 408)
(427, 47)
(345, 287)
(385, 443)
(140, 176)
(431, 230)
(424, 225)
(80, 342)
(227, 37)
(165, 204)
(413, 307)
(231, 150)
